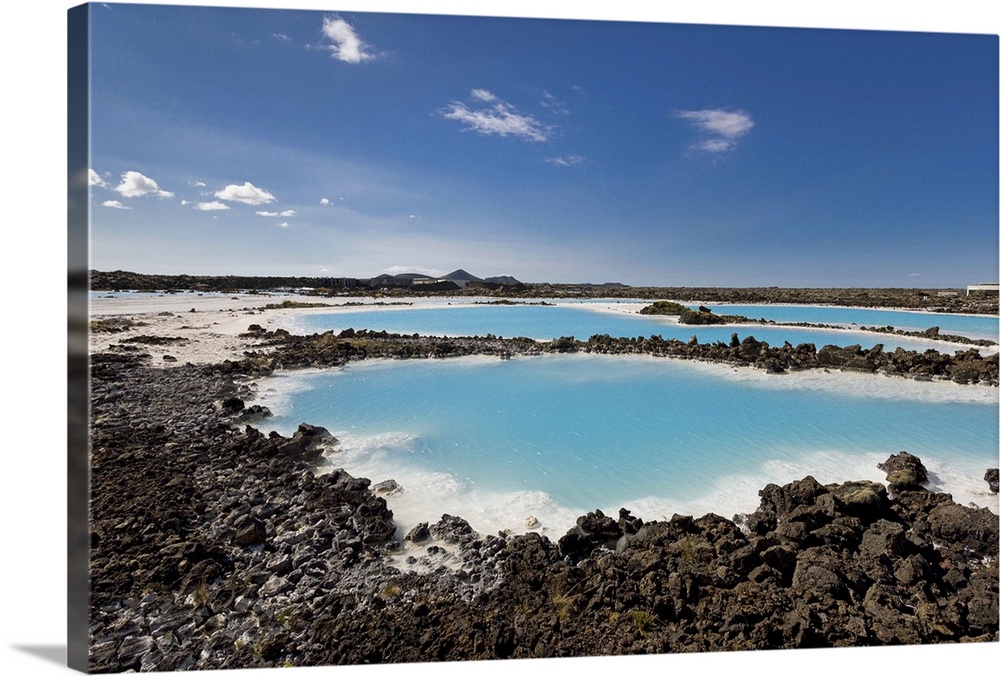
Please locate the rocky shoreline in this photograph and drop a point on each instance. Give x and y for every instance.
(213, 545)
(271, 350)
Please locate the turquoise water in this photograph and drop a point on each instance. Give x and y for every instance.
(557, 436)
(583, 321)
(974, 326)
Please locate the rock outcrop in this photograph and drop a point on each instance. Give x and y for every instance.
(214, 545)
(281, 350)
(904, 472)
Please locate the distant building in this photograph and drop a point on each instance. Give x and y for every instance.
(345, 283)
(986, 288)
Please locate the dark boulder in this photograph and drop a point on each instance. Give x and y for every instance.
(255, 413)
(250, 531)
(904, 472)
(972, 528)
(865, 500)
(883, 538)
(453, 529)
(313, 433)
(232, 405)
(992, 477)
(780, 500)
(591, 531)
(418, 533)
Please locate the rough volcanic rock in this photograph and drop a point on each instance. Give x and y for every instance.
(992, 477)
(904, 471)
(215, 546)
(453, 529)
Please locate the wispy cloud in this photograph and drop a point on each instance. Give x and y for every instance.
(114, 204)
(553, 105)
(246, 193)
(402, 269)
(287, 213)
(499, 118)
(721, 129)
(95, 179)
(281, 36)
(135, 184)
(566, 160)
(483, 95)
(347, 46)
(284, 224)
(210, 206)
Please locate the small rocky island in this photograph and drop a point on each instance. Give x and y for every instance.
(213, 545)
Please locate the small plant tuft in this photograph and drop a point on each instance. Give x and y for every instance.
(563, 602)
(643, 620)
(391, 591)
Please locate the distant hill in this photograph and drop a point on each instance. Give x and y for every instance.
(461, 275)
(120, 279)
(411, 276)
(504, 279)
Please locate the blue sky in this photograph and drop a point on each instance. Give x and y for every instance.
(282, 142)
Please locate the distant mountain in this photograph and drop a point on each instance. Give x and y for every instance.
(461, 275)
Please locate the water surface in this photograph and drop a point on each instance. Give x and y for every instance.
(557, 436)
(583, 321)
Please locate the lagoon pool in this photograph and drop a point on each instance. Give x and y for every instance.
(583, 320)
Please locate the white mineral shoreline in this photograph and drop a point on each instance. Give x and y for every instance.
(212, 322)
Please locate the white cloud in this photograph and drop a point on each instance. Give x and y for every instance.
(135, 184)
(288, 213)
(722, 127)
(347, 45)
(500, 118)
(281, 36)
(246, 193)
(284, 225)
(553, 104)
(566, 160)
(324, 202)
(114, 204)
(211, 206)
(95, 179)
(401, 269)
(197, 184)
(714, 145)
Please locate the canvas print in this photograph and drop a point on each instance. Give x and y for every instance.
(415, 338)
